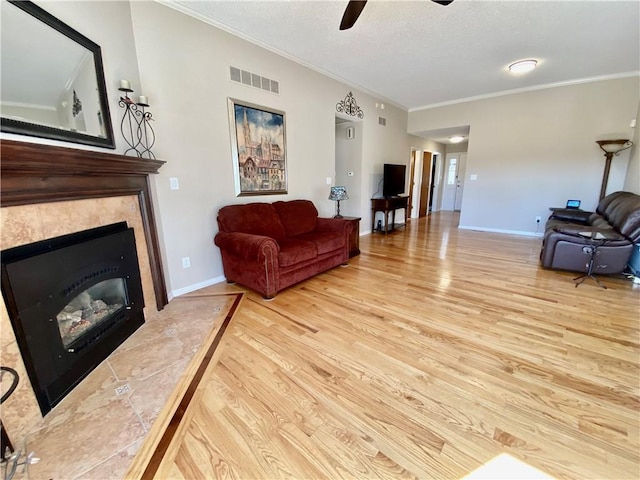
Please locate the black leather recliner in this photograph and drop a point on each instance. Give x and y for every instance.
(614, 227)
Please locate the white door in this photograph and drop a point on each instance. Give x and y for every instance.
(462, 167)
(450, 181)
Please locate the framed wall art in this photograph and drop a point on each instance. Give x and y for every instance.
(258, 144)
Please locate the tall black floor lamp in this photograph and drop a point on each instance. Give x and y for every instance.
(610, 148)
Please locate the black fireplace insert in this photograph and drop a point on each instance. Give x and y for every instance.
(72, 300)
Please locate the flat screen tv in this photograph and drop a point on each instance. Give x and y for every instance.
(393, 180)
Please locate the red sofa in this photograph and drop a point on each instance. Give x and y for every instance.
(271, 246)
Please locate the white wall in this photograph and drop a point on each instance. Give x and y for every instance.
(349, 159)
(184, 66)
(108, 24)
(42, 115)
(632, 181)
(433, 148)
(442, 172)
(536, 149)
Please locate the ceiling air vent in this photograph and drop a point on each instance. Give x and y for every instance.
(382, 121)
(253, 80)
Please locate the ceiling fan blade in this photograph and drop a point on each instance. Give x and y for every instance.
(443, 2)
(351, 13)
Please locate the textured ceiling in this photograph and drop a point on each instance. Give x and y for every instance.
(418, 53)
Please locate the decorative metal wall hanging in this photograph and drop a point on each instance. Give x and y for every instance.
(136, 124)
(350, 106)
(77, 105)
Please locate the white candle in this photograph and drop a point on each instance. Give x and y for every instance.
(125, 85)
(143, 100)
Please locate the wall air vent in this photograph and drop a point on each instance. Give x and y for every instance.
(382, 121)
(235, 74)
(253, 80)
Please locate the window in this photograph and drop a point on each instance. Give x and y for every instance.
(451, 175)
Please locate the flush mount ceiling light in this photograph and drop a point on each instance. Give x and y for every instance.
(523, 66)
(456, 139)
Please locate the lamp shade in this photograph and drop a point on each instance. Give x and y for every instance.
(614, 146)
(610, 148)
(338, 194)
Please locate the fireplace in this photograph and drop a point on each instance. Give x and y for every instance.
(72, 300)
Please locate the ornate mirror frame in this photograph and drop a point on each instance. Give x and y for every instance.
(11, 125)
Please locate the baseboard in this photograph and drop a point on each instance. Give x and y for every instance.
(500, 230)
(220, 279)
(196, 286)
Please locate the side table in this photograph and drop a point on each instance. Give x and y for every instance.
(389, 205)
(594, 241)
(354, 237)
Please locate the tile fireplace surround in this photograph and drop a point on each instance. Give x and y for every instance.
(49, 191)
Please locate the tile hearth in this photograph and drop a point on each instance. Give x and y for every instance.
(95, 432)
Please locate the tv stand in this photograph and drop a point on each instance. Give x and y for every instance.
(386, 205)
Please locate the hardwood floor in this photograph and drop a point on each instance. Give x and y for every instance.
(434, 351)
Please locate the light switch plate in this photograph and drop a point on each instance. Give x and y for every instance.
(173, 182)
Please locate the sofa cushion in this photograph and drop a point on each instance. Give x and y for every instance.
(598, 221)
(293, 250)
(622, 211)
(325, 241)
(625, 217)
(297, 216)
(252, 218)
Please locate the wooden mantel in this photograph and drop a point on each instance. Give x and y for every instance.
(33, 173)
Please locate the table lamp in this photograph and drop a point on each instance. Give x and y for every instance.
(337, 194)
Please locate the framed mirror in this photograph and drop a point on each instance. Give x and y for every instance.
(52, 79)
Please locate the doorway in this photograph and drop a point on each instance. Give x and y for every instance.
(455, 164)
(412, 182)
(425, 184)
(432, 183)
(348, 164)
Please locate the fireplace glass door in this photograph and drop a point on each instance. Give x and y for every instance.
(91, 308)
(72, 300)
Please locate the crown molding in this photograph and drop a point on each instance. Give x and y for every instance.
(533, 88)
(226, 28)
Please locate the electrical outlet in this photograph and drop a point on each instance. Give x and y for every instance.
(186, 262)
(123, 389)
(174, 184)
(538, 219)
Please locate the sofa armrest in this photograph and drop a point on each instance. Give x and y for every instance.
(333, 225)
(571, 215)
(245, 245)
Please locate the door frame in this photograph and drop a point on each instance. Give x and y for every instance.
(412, 169)
(425, 183)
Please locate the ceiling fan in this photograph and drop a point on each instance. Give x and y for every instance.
(355, 7)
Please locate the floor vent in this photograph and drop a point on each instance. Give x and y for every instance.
(382, 121)
(254, 80)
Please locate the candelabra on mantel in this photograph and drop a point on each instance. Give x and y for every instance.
(136, 123)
